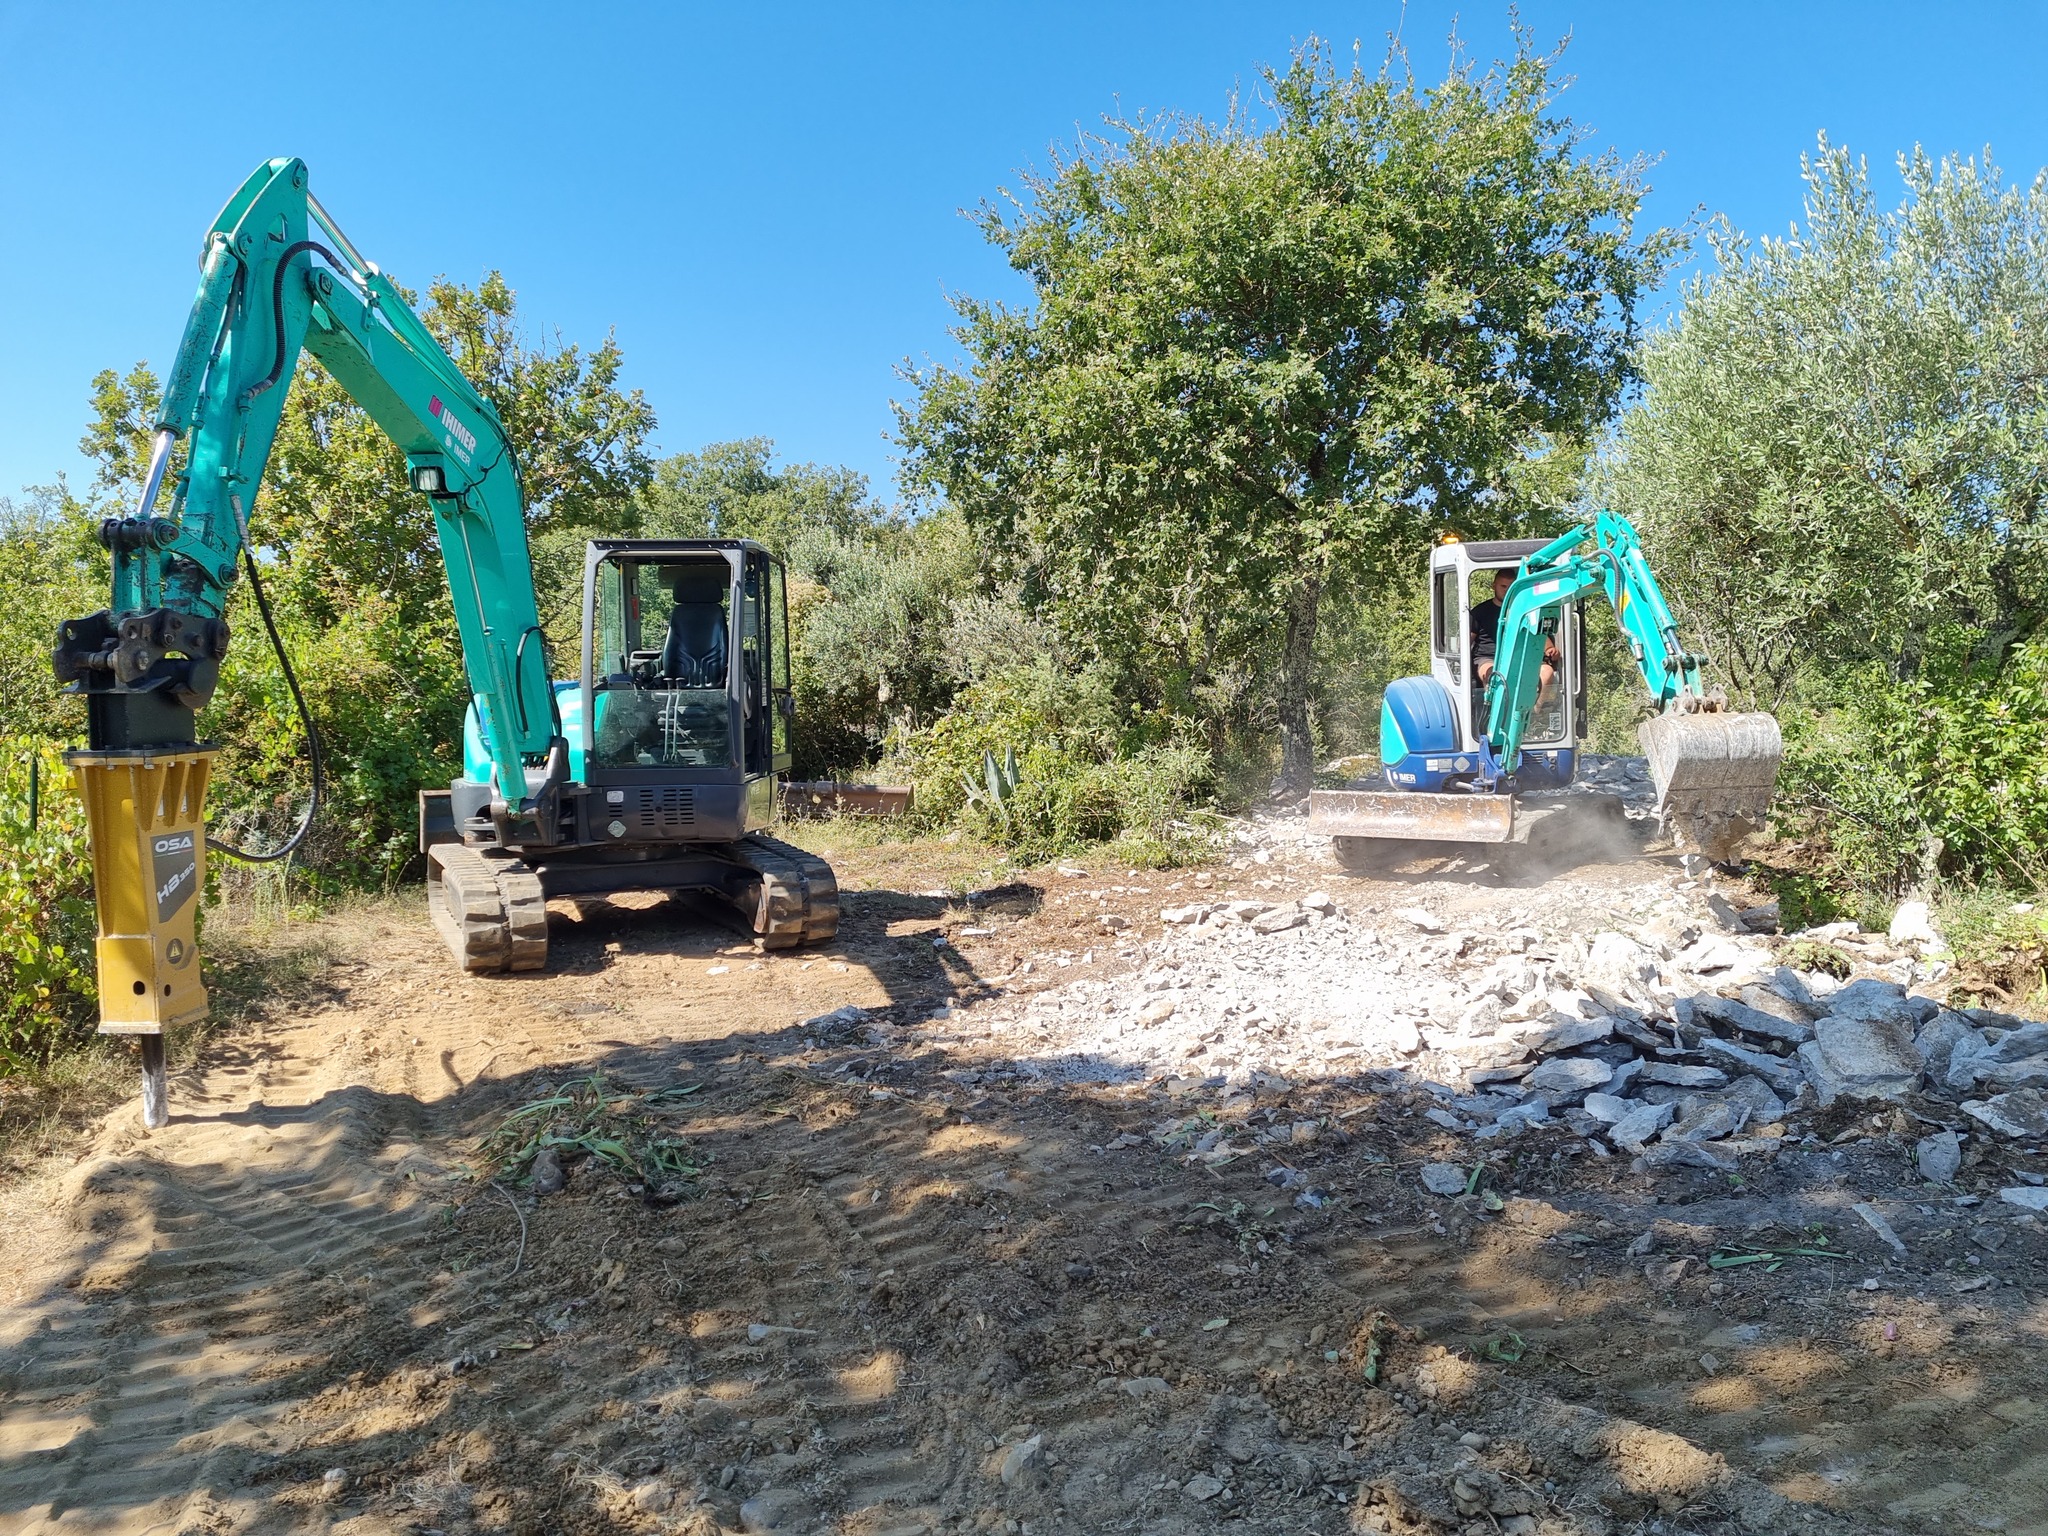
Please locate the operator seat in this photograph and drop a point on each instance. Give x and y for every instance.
(694, 653)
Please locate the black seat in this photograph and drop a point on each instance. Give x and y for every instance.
(694, 653)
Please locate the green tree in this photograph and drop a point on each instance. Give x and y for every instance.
(733, 491)
(1266, 357)
(355, 571)
(1843, 442)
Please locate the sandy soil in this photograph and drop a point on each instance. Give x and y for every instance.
(912, 1289)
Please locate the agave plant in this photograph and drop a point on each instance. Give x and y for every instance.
(999, 786)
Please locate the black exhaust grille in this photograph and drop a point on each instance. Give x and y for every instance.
(667, 810)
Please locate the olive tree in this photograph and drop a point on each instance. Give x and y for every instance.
(1269, 356)
(1842, 444)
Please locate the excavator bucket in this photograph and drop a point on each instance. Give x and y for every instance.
(1382, 813)
(1716, 774)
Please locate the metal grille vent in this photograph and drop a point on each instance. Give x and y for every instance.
(667, 809)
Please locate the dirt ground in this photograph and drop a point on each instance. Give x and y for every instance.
(903, 1289)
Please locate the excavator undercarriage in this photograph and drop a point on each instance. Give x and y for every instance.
(491, 906)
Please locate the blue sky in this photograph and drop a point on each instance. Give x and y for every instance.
(762, 202)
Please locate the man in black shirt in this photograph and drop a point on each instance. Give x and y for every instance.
(1486, 636)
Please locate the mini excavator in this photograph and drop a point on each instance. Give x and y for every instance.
(655, 769)
(1458, 748)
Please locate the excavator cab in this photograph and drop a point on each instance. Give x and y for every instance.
(1462, 582)
(675, 732)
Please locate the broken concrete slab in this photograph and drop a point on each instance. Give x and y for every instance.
(1865, 1057)
(2021, 1113)
(1727, 1013)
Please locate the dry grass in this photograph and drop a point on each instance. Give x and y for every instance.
(258, 956)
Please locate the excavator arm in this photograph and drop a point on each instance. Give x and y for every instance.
(1608, 557)
(278, 276)
(1715, 770)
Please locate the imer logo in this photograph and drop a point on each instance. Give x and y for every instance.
(460, 439)
(177, 871)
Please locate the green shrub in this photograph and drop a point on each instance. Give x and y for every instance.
(47, 996)
(1086, 774)
(1893, 784)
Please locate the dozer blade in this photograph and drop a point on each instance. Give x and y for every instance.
(1421, 817)
(1716, 775)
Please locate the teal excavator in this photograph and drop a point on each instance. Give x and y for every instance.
(655, 768)
(1504, 708)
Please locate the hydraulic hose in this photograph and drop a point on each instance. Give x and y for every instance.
(277, 315)
(291, 844)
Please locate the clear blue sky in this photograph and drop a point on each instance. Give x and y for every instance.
(763, 202)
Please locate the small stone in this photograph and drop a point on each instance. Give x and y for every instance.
(1939, 1157)
(2026, 1197)
(1874, 1001)
(652, 1496)
(2023, 1112)
(1422, 918)
(761, 1333)
(1874, 1219)
(2027, 1040)
(1279, 921)
(1202, 1487)
(1869, 1058)
(1245, 911)
(776, 1509)
(1472, 1440)
(1677, 1075)
(1444, 1178)
(1633, 1130)
(1158, 1011)
(1179, 917)
(1402, 1037)
(1942, 1038)
(1710, 1363)
(1607, 1108)
(1570, 1035)
(1145, 1386)
(1713, 1120)
(1519, 1525)
(333, 1482)
(1729, 1014)
(1115, 922)
(1021, 1459)
(1080, 1272)
(1317, 901)
(1912, 923)
(1783, 1077)
(547, 1177)
(1716, 1155)
(1568, 1075)
(1752, 1094)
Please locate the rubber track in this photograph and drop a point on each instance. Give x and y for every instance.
(489, 908)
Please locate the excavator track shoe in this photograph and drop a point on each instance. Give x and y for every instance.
(1716, 773)
(799, 896)
(489, 908)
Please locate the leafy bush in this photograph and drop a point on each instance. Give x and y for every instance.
(1086, 772)
(1897, 783)
(47, 994)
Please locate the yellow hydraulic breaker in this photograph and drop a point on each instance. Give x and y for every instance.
(146, 811)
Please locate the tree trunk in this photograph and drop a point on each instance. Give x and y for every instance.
(1297, 683)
